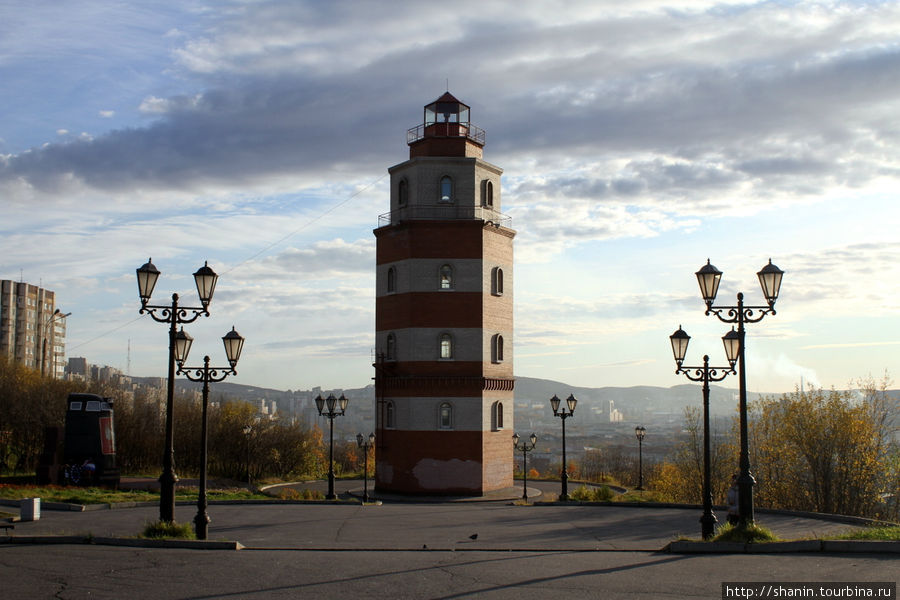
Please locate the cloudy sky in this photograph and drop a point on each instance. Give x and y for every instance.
(637, 140)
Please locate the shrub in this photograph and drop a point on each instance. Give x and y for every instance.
(304, 494)
(166, 529)
(581, 494)
(308, 494)
(288, 494)
(603, 494)
(585, 494)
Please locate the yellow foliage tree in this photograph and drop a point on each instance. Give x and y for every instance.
(819, 451)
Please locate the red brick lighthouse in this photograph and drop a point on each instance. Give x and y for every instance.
(444, 316)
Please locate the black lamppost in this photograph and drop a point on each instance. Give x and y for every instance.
(525, 449)
(563, 415)
(705, 374)
(331, 413)
(247, 430)
(770, 281)
(365, 444)
(57, 315)
(233, 345)
(639, 432)
(205, 278)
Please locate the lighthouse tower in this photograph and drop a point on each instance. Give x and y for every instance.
(444, 316)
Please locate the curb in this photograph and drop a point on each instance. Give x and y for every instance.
(129, 542)
(836, 546)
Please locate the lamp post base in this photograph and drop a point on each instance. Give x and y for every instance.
(167, 482)
(201, 525)
(708, 525)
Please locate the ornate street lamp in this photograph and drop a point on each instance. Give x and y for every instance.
(331, 402)
(770, 278)
(205, 279)
(525, 448)
(571, 401)
(639, 432)
(679, 341)
(233, 345)
(365, 444)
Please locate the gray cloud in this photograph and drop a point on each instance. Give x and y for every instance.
(696, 103)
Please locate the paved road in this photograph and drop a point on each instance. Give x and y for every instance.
(410, 550)
(412, 526)
(97, 572)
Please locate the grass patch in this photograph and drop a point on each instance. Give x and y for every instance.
(586, 494)
(160, 530)
(641, 496)
(97, 495)
(751, 534)
(875, 533)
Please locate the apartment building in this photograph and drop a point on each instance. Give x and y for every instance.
(32, 329)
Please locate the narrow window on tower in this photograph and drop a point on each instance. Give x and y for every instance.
(497, 281)
(497, 348)
(446, 346)
(446, 277)
(389, 416)
(402, 192)
(445, 416)
(446, 189)
(498, 415)
(391, 280)
(487, 193)
(391, 347)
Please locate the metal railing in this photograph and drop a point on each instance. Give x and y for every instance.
(464, 130)
(444, 212)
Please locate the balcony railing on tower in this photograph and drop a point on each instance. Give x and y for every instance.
(444, 212)
(448, 129)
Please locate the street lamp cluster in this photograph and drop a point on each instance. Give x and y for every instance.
(524, 448)
(332, 404)
(234, 343)
(705, 374)
(571, 401)
(639, 432)
(709, 278)
(172, 314)
(365, 444)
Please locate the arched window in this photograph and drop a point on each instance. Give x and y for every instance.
(499, 415)
(497, 281)
(446, 189)
(402, 192)
(446, 346)
(391, 347)
(389, 416)
(445, 416)
(497, 348)
(391, 280)
(487, 193)
(446, 277)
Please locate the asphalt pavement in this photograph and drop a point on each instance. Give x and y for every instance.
(461, 548)
(397, 523)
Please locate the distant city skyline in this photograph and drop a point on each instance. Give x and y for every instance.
(637, 141)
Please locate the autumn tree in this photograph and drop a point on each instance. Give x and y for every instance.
(31, 402)
(822, 451)
(681, 478)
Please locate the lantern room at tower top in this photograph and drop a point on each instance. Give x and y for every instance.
(445, 131)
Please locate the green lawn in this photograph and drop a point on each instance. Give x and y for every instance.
(94, 495)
